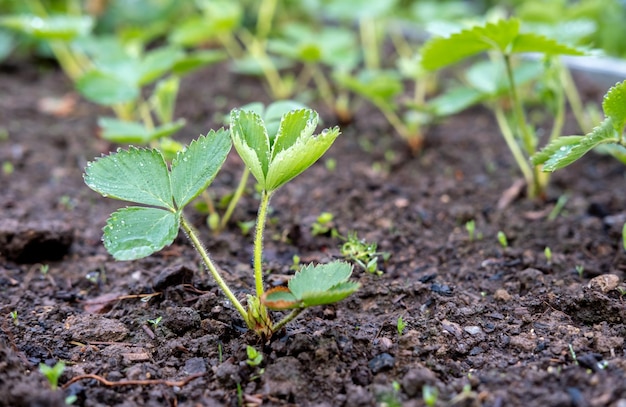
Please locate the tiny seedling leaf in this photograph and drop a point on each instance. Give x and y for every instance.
(194, 168)
(294, 126)
(137, 175)
(120, 131)
(135, 232)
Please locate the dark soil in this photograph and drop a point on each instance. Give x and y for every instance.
(486, 325)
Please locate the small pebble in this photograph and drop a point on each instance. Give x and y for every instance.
(384, 361)
(604, 283)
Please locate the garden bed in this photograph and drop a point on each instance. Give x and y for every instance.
(485, 324)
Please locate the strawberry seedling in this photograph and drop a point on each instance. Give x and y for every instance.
(142, 176)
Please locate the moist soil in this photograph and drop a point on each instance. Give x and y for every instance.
(486, 325)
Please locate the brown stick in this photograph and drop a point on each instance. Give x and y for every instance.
(106, 382)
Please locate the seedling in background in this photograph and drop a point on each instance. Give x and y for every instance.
(430, 395)
(155, 322)
(52, 374)
(255, 358)
(505, 39)
(14, 317)
(470, 226)
(323, 225)
(548, 253)
(142, 176)
(504, 242)
(400, 325)
(364, 254)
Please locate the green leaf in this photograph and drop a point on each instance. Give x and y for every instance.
(294, 125)
(194, 168)
(313, 279)
(136, 175)
(280, 298)
(135, 232)
(163, 99)
(439, 52)
(563, 151)
(614, 105)
(196, 60)
(289, 163)
(455, 100)
(56, 27)
(106, 88)
(380, 87)
(334, 294)
(530, 42)
(156, 63)
(251, 141)
(120, 131)
(502, 36)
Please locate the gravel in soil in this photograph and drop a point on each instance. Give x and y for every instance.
(485, 324)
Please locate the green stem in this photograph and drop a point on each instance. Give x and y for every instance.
(236, 197)
(527, 137)
(367, 28)
(187, 228)
(290, 317)
(507, 133)
(573, 97)
(258, 242)
(267, 9)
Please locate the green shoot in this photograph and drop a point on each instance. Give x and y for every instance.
(430, 395)
(558, 207)
(580, 269)
(143, 177)
(502, 239)
(155, 322)
(624, 236)
(548, 253)
(323, 225)
(400, 325)
(52, 374)
(470, 226)
(254, 357)
(504, 38)
(14, 317)
(43, 269)
(364, 254)
(295, 266)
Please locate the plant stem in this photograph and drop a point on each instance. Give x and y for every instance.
(236, 197)
(526, 135)
(187, 228)
(258, 242)
(290, 317)
(507, 133)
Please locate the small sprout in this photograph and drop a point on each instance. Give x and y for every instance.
(470, 226)
(52, 373)
(254, 357)
(580, 269)
(7, 168)
(573, 354)
(364, 254)
(331, 164)
(548, 253)
(502, 239)
(13, 315)
(246, 227)
(44, 268)
(155, 322)
(558, 207)
(220, 352)
(400, 325)
(295, 266)
(323, 225)
(213, 221)
(430, 394)
(390, 399)
(624, 236)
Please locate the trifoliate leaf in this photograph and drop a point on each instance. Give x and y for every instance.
(614, 105)
(194, 168)
(443, 51)
(251, 141)
(135, 232)
(136, 175)
(312, 279)
(291, 162)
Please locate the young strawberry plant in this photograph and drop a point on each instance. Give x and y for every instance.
(503, 39)
(142, 176)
